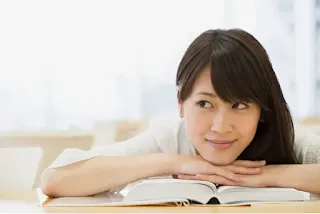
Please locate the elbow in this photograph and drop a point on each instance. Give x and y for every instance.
(49, 183)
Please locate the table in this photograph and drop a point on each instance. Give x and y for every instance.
(26, 201)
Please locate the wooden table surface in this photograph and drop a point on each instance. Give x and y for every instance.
(26, 201)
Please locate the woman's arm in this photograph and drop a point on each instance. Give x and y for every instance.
(103, 173)
(84, 173)
(149, 154)
(305, 177)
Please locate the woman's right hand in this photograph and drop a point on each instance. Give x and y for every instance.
(190, 167)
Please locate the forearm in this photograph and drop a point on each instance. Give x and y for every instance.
(305, 177)
(104, 173)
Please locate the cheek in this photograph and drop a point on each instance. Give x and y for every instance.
(197, 123)
(248, 129)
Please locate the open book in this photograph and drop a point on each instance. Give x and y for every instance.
(168, 191)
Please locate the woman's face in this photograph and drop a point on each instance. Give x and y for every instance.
(218, 130)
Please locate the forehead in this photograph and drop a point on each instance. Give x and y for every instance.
(203, 82)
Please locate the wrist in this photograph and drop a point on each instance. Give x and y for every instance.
(276, 175)
(185, 164)
(170, 163)
(175, 163)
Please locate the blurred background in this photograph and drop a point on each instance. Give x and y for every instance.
(84, 74)
(73, 64)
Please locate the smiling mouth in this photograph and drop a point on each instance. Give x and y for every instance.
(220, 144)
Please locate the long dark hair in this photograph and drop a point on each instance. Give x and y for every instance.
(241, 71)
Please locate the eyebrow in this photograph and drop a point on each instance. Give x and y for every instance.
(207, 94)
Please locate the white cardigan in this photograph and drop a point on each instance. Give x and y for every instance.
(169, 136)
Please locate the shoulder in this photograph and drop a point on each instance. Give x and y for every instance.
(168, 132)
(165, 124)
(161, 135)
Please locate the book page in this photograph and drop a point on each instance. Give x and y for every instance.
(149, 191)
(236, 194)
(155, 189)
(95, 200)
(252, 189)
(180, 181)
(104, 199)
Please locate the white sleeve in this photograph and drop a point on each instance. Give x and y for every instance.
(312, 148)
(153, 140)
(307, 146)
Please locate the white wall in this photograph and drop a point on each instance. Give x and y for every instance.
(68, 64)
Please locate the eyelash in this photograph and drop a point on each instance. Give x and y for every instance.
(202, 103)
(246, 106)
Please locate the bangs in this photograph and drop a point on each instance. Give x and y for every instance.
(232, 77)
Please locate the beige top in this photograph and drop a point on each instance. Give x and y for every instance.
(169, 136)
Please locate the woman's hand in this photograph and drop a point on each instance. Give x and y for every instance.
(267, 178)
(196, 168)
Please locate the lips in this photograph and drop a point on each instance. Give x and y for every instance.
(221, 144)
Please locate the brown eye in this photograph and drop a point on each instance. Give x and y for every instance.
(204, 104)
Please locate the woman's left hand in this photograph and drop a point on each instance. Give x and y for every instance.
(266, 178)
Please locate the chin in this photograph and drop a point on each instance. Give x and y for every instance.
(218, 160)
(221, 162)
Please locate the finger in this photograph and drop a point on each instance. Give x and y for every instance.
(224, 172)
(244, 170)
(246, 163)
(217, 180)
(186, 177)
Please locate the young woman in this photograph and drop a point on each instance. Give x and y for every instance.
(234, 129)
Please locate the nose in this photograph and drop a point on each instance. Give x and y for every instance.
(221, 123)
